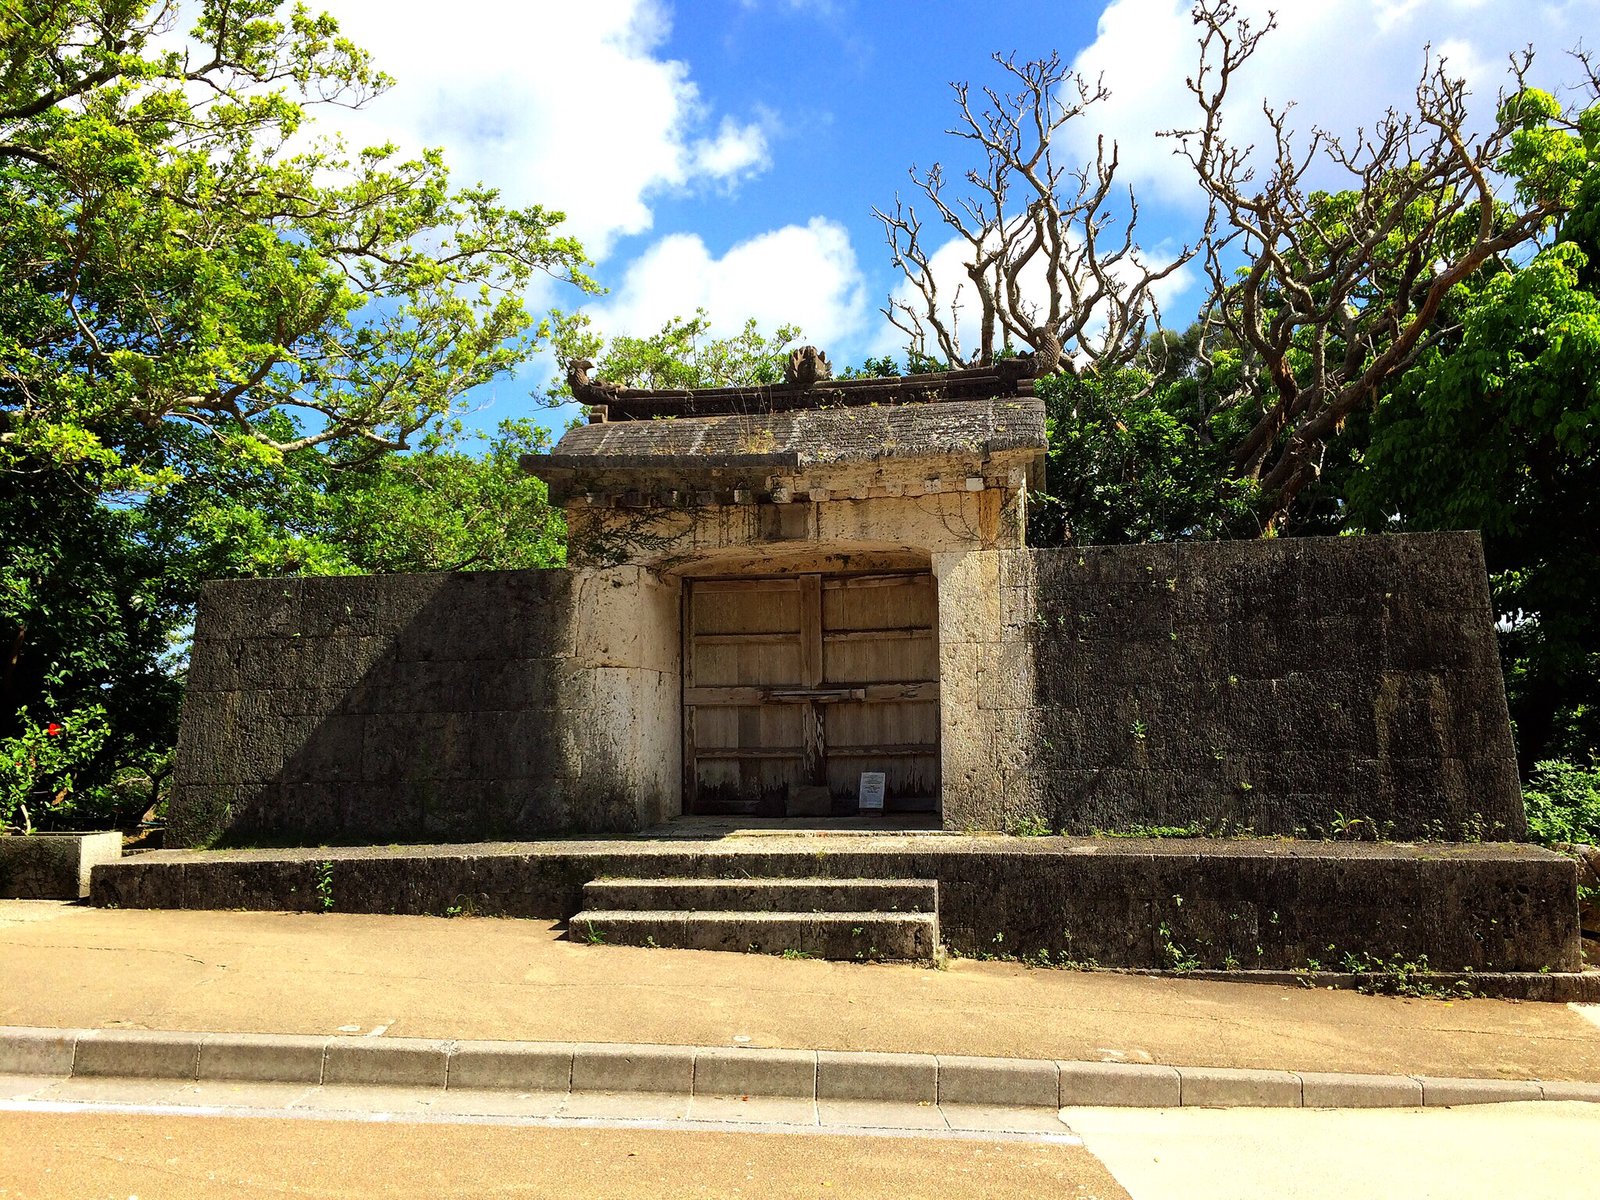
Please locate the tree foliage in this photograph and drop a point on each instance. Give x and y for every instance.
(1128, 463)
(226, 348)
(1335, 293)
(1500, 431)
(179, 250)
(1331, 259)
(682, 355)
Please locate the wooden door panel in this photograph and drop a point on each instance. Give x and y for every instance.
(880, 658)
(723, 664)
(749, 727)
(879, 602)
(805, 680)
(753, 612)
(907, 723)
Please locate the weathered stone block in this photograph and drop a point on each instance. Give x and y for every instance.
(53, 866)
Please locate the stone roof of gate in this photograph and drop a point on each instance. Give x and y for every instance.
(798, 439)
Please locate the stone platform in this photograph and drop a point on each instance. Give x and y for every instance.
(1173, 904)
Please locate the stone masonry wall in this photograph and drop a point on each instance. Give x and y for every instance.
(1345, 687)
(429, 707)
(1339, 687)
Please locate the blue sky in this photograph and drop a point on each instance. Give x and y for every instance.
(728, 153)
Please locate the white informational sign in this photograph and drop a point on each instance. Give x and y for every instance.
(870, 798)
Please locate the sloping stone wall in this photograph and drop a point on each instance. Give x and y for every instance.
(429, 707)
(1336, 687)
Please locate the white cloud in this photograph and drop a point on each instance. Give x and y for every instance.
(1342, 62)
(565, 105)
(804, 275)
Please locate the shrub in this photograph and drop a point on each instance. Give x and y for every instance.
(1563, 802)
(37, 765)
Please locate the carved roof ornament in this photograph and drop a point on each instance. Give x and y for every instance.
(807, 366)
(586, 390)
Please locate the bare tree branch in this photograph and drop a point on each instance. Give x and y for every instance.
(1340, 290)
(1048, 267)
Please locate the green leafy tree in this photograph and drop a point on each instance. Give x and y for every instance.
(1501, 432)
(1564, 803)
(178, 251)
(682, 355)
(444, 509)
(1128, 462)
(217, 335)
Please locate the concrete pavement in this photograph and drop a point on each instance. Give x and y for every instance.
(1483, 1153)
(56, 1157)
(443, 1032)
(66, 966)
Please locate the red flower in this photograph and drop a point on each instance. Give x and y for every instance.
(52, 729)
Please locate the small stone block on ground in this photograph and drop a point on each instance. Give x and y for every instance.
(755, 1072)
(1223, 1087)
(1119, 1085)
(138, 1053)
(1021, 1082)
(262, 1057)
(26, 1051)
(385, 1062)
(904, 1078)
(523, 1067)
(1323, 1090)
(809, 802)
(625, 1068)
(1442, 1093)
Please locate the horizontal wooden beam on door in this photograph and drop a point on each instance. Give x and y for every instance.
(877, 635)
(725, 753)
(870, 693)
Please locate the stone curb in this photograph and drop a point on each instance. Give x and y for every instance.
(812, 1075)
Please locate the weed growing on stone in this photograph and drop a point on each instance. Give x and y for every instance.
(1031, 825)
(324, 886)
(1177, 956)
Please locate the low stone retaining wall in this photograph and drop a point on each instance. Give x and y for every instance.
(1160, 904)
(53, 866)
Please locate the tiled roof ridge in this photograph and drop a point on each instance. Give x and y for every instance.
(1009, 377)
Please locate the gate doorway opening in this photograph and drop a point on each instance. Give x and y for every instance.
(795, 685)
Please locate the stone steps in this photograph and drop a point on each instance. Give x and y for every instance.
(859, 920)
(765, 895)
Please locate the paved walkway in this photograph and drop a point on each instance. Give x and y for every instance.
(66, 966)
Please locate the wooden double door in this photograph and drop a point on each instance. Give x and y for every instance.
(807, 681)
